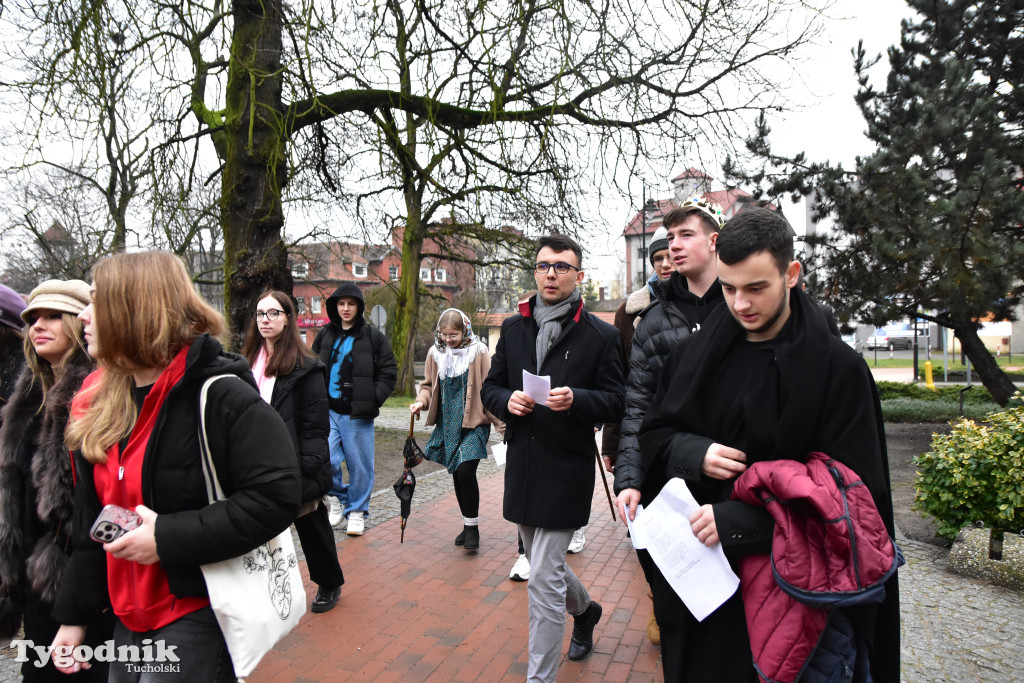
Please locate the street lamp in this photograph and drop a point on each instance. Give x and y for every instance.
(649, 214)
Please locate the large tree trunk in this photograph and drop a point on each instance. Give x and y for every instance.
(992, 376)
(407, 310)
(255, 258)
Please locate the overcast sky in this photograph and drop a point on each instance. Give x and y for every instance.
(828, 126)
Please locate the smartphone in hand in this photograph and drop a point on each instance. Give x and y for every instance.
(112, 523)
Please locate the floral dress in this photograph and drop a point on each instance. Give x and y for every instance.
(450, 444)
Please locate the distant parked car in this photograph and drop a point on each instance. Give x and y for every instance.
(895, 337)
(854, 343)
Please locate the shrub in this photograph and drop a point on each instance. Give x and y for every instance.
(975, 474)
(919, 410)
(979, 395)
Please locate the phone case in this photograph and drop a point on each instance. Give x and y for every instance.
(112, 523)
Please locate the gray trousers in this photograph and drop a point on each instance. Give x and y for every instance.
(554, 590)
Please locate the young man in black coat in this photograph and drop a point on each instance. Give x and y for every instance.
(361, 375)
(549, 475)
(764, 380)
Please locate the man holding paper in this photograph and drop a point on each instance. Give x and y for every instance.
(763, 381)
(549, 475)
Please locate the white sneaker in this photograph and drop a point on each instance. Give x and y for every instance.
(520, 570)
(355, 524)
(578, 541)
(335, 513)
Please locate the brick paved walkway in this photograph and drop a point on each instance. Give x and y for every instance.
(427, 610)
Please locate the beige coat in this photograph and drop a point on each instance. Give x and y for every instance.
(474, 414)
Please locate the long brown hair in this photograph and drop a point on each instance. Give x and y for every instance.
(145, 310)
(288, 348)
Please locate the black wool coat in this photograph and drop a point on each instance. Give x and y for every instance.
(300, 398)
(549, 474)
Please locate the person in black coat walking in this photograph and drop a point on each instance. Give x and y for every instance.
(295, 384)
(549, 475)
(361, 375)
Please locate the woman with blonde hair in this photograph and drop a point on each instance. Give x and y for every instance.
(36, 473)
(456, 366)
(135, 434)
(294, 382)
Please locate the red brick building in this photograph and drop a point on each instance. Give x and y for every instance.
(318, 269)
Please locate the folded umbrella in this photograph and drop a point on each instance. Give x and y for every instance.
(406, 484)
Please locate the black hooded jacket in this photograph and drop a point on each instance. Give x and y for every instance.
(374, 371)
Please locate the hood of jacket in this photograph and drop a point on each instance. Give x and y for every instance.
(349, 289)
(206, 358)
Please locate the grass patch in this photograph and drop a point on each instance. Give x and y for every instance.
(398, 401)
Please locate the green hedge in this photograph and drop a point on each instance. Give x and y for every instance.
(902, 402)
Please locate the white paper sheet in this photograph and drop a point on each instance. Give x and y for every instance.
(498, 451)
(537, 387)
(700, 576)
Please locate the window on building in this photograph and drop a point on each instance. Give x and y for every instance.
(300, 269)
(425, 274)
(359, 269)
(300, 302)
(440, 275)
(317, 300)
(393, 272)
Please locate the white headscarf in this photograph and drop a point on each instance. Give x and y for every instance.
(454, 362)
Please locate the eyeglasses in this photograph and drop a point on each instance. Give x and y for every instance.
(269, 314)
(561, 267)
(450, 337)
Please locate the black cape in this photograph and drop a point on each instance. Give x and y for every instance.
(822, 398)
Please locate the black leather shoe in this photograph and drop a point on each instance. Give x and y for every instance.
(472, 537)
(326, 599)
(582, 641)
(461, 538)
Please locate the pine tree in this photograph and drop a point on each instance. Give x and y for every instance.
(932, 220)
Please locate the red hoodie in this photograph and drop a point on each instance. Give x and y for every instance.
(139, 593)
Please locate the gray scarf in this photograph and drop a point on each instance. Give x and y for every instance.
(549, 322)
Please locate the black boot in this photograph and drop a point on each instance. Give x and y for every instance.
(472, 540)
(582, 641)
(461, 538)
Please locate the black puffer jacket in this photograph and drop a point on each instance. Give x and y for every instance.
(374, 370)
(255, 463)
(674, 313)
(300, 398)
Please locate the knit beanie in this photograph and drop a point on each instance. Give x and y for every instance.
(66, 296)
(11, 306)
(658, 242)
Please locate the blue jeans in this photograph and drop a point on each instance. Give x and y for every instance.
(351, 443)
